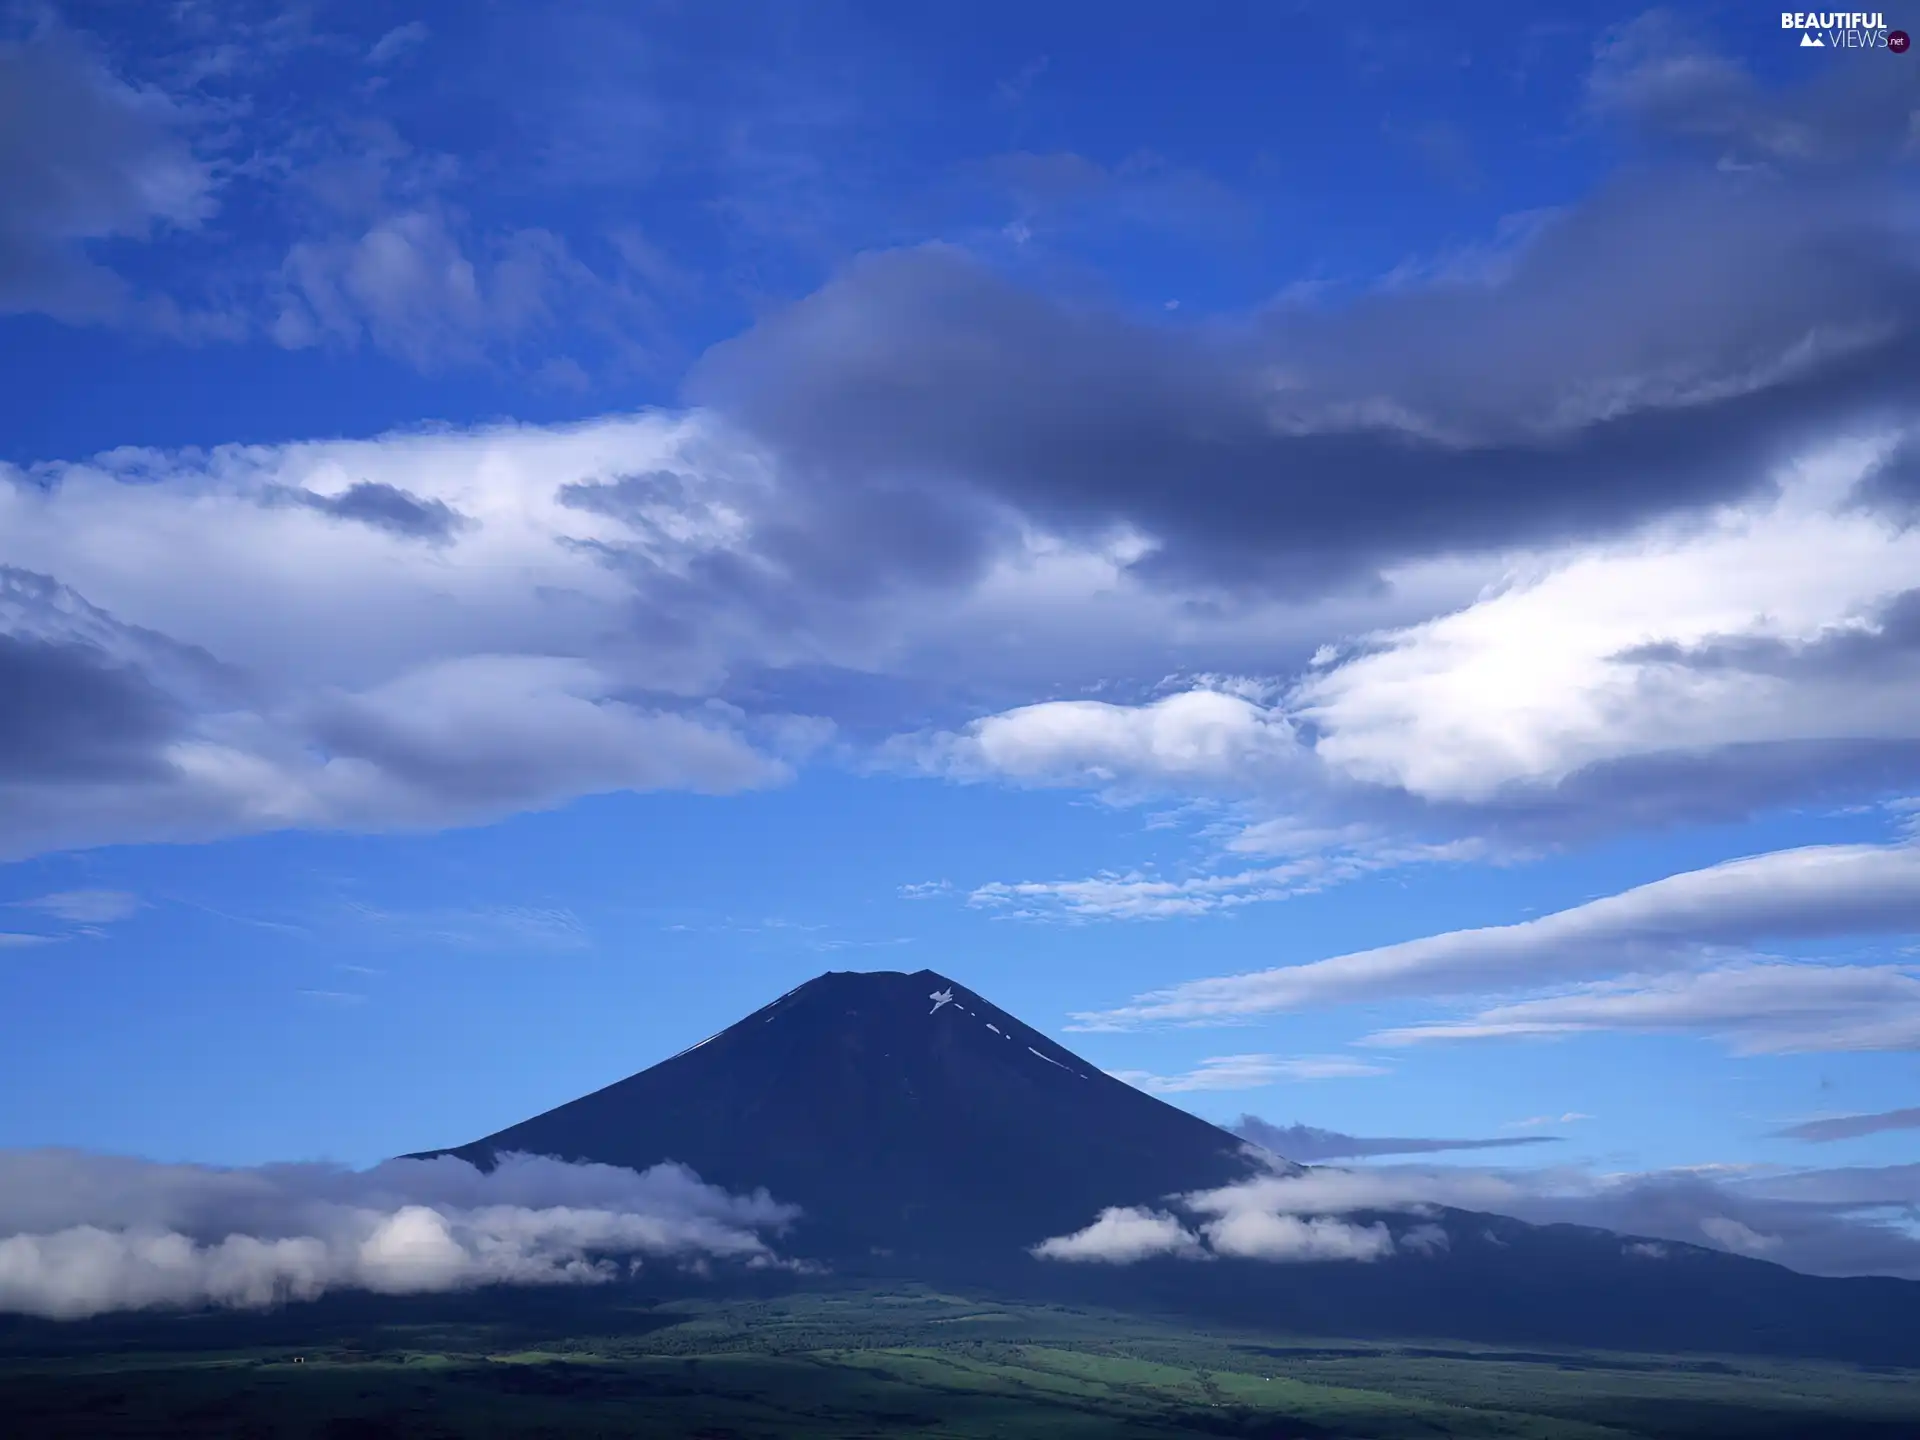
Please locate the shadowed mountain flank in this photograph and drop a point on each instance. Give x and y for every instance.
(905, 1115)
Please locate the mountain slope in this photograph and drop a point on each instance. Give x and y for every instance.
(901, 1122)
(926, 1133)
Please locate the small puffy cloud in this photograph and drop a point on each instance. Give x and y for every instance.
(1123, 1235)
(1851, 1127)
(1732, 1235)
(84, 1234)
(1426, 1240)
(1200, 737)
(400, 41)
(1249, 1072)
(1670, 924)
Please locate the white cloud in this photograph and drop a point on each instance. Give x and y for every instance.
(1249, 1072)
(1741, 1239)
(1257, 1235)
(432, 634)
(1122, 1235)
(1579, 659)
(445, 626)
(1206, 737)
(1234, 1223)
(85, 1234)
(1825, 890)
(1828, 1222)
(86, 907)
(1758, 1006)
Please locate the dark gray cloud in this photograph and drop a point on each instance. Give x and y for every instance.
(68, 712)
(1811, 1221)
(83, 157)
(1309, 1144)
(808, 543)
(1723, 784)
(109, 730)
(1894, 485)
(1891, 634)
(384, 507)
(1851, 1127)
(1654, 348)
(84, 698)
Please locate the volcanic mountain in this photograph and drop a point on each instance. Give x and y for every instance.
(926, 1133)
(905, 1115)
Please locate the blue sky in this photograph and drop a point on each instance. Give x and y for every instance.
(526, 535)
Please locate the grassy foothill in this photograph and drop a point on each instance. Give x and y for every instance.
(880, 1363)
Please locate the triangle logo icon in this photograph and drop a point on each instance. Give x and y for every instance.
(1812, 42)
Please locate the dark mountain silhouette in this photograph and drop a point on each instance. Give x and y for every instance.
(904, 1125)
(926, 1133)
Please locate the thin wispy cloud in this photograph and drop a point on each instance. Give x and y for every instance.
(1535, 1122)
(481, 927)
(1250, 1072)
(1309, 1144)
(86, 907)
(1851, 1127)
(1755, 1007)
(1673, 924)
(1136, 895)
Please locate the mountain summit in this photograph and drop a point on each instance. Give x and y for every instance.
(905, 1115)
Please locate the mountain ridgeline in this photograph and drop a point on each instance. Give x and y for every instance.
(927, 1134)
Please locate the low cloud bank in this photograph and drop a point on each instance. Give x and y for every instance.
(1237, 1222)
(84, 1234)
(1854, 1221)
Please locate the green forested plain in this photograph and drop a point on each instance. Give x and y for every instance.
(914, 1362)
